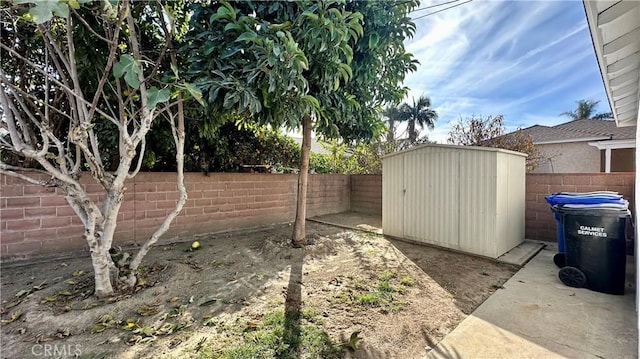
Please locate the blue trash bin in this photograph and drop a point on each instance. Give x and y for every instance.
(599, 199)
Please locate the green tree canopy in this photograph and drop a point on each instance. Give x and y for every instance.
(104, 73)
(328, 64)
(418, 115)
(586, 110)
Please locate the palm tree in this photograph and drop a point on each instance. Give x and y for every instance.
(586, 110)
(419, 115)
(393, 115)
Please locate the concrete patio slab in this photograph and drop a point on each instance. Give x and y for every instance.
(522, 253)
(536, 316)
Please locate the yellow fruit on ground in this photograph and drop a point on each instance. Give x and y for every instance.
(195, 245)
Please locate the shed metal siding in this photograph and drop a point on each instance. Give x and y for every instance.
(431, 198)
(470, 199)
(477, 201)
(516, 202)
(393, 196)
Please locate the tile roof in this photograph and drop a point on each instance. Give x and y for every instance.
(580, 129)
(600, 127)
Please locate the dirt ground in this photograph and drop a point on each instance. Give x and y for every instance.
(402, 298)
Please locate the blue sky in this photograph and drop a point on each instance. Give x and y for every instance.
(527, 60)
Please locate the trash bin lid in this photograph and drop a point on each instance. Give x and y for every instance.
(561, 198)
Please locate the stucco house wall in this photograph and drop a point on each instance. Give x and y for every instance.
(573, 157)
(583, 146)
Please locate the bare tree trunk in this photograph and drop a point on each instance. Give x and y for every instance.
(178, 132)
(102, 264)
(298, 237)
(179, 137)
(391, 135)
(100, 256)
(411, 128)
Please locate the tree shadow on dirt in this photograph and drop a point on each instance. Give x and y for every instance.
(228, 275)
(469, 279)
(293, 303)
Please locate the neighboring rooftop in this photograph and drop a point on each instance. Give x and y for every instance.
(580, 130)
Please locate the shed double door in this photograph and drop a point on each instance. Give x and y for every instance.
(431, 198)
(445, 198)
(427, 199)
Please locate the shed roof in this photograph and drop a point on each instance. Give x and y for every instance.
(456, 147)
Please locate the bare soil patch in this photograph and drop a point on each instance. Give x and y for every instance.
(248, 294)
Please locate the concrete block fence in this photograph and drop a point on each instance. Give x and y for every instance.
(539, 222)
(366, 194)
(37, 221)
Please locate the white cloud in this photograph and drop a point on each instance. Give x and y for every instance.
(526, 60)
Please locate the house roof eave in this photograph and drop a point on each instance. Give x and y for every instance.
(614, 144)
(572, 140)
(615, 34)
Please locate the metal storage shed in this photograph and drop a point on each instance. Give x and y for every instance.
(465, 198)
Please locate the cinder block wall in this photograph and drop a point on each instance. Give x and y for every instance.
(36, 221)
(539, 220)
(366, 194)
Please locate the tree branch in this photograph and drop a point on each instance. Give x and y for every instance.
(86, 24)
(54, 44)
(143, 144)
(16, 139)
(179, 139)
(85, 119)
(10, 171)
(113, 44)
(147, 115)
(55, 81)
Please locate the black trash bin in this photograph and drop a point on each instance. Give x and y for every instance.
(595, 249)
(597, 199)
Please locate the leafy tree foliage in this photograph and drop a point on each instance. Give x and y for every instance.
(231, 148)
(327, 64)
(364, 158)
(418, 115)
(489, 131)
(586, 110)
(219, 143)
(89, 93)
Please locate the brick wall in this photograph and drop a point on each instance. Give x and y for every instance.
(38, 221)
(540, 223)
(366, 194)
